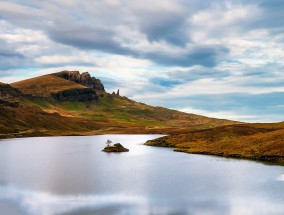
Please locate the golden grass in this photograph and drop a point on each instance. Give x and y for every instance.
(254, 141)
(45, 85)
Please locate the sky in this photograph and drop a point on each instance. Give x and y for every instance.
(219, 58)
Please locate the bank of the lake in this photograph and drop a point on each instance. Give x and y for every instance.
(262, 142)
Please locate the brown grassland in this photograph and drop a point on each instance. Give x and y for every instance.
(250, 141)
(45, 85)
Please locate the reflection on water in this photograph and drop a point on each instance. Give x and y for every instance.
(281, 178)
(36, 203)
(71, 176)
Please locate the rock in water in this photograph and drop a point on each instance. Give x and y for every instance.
(115, 148)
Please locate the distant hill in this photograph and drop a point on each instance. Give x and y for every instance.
(70, 103)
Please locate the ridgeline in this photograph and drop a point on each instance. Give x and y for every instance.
(71, 103)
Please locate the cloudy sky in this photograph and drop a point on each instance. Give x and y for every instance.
(217, 58)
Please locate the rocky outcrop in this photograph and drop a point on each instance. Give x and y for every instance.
(77, 95)
(10, 103)
(84, 79)
(115, 148)
(6, 91)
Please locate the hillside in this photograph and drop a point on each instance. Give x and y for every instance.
(252, 141)
(20, 117)
(68, 103)
(44, 86)
(48, 85)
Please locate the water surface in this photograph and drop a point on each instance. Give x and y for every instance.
(71, 176)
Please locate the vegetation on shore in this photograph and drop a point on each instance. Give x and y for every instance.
(250, 141)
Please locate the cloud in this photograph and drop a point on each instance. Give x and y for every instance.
(196, 73)
(164, 24)
(198, 55)
(89, 38)
(186, 51)
(164, 21)
(10, 58)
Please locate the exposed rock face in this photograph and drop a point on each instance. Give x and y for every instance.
(6, 91)
(77, 95)
(84, 79)
(9, 96)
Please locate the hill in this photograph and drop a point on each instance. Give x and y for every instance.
(20, 117)
(251, 141)
(68, 102)
(44, 86)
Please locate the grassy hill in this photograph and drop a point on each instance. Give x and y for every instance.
(45, 85)
(70, 103)
(253, 141)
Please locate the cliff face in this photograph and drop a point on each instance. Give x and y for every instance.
(9, 96)
(79, 95)
(6, 91)
(84, 79)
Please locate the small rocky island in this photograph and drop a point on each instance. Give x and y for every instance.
(114, 148)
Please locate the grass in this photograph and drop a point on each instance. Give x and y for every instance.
(118, 110)
(251, 141)
(44, 86)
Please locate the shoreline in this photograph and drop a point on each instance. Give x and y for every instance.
(273, 160)
(94, 133)
(269, 160)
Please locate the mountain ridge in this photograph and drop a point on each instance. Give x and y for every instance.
(79, 98)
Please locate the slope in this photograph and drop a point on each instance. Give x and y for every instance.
(20, 117)
(44, 86)
(51, 102)
(252, 141)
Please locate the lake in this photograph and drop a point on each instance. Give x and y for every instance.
(72, 176)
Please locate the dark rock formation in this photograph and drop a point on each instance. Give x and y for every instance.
(84, 79)
(77, 95)
(117, 92)
(7, 91)
(10, 103)
(115, 148)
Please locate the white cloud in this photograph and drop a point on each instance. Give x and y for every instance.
(232, 115)
(240, 44)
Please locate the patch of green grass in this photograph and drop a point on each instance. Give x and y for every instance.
(72, 106)
(42, 103)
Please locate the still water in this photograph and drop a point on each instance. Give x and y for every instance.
(71, 176)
